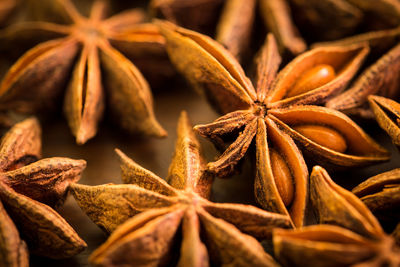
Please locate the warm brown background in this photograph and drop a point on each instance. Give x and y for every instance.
(155, 155)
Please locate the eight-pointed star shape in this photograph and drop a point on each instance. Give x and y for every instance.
(90, 44)
(211, 232)
(279, 115)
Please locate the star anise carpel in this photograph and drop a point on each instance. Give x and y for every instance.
(378, 78)
(387, 115)
(281, 116)
(381, 194)
(349, 234)
(90, 47)
(147, 214)
(29, 187)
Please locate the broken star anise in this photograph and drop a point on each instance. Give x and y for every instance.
(90, 44)
(29, 186)
(349, 233)
(145, 216)
(282, 110)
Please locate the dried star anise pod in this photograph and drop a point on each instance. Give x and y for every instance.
(29, 186)
(236, 22)
(382, 77)
(90, 44)
(387, 114)
(211, 232)
(281, 111)
(349, 233)
(381, 194)
(315, 17)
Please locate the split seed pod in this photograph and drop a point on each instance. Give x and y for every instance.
(380, 78)
(281, 115)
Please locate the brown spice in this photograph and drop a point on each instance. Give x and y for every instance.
(94, 42)
(380, 78)
(144, 216)
(387, 114)
(28, 187)
(270, 117)
(348, 234)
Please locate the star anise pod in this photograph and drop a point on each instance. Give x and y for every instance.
(281, 111)
(387, 114)
(90, 44)
(29, 186)
(315, 17)
(236, 22)
(219, 231)
(381, 194)
(381, 77)
(349, 233)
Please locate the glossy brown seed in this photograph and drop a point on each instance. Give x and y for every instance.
(324, 136)
(312, 79)
(285, 182)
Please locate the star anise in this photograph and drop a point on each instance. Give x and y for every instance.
(236, 22)
(90, 44)
(28, 187)
(281, 111)
(381, 194)
(219, 231)
(349, 235)
(381, 78)
(315, 17)
(387, 114)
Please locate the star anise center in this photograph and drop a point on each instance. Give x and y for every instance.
(260, 109)
(88, 32)
(190, 198)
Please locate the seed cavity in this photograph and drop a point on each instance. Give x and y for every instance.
(283, 177)
(311, 79)
(324, 136)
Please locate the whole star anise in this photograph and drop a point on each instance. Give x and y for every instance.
(349, 234)
(281, 114)
(211, 232)
(29, 186)
(90, 44)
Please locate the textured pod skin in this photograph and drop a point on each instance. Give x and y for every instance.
(29, 186)
(266, 115)
(83, 55)
(145, 215)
